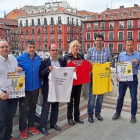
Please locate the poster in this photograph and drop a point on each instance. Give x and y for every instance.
(124, 71)
(16, 84)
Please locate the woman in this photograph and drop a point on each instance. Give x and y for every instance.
(76, 90)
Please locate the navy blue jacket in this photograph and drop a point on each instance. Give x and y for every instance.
(44, 73)
(31, 68)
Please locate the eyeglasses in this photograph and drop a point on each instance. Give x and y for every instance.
(54, 50)
(4, 47)
(99, 40)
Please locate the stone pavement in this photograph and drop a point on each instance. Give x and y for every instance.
(107, 129)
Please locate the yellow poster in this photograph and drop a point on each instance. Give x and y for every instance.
(101, 81)
(16, 84)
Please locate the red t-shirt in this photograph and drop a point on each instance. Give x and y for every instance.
(82, 70)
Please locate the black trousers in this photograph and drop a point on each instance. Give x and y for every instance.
(75, 97)
(27, 107)
(45, 112)
(7, 113)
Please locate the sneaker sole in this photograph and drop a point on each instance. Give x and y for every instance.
(22, 137)
(32, 132)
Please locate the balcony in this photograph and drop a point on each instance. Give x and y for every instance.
(32, 24)
(21, 32)
(45, 40)
(59, 40)
(52, 22)
(111, 27)
(32, 32)
(121, 27)
(39, 32)
(52, 40)
(102, 27)
(52, 31)
(129, 27)
(88, 29)
(95, 28)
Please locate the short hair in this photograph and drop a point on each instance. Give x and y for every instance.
(73, 43)
(3, 40)
(51, 46)
(99, 36)
(30, 42)
(128, 40)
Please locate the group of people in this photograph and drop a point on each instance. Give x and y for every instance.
(36, 81)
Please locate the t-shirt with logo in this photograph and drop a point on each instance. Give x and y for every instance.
(60, 84)
(83, 69)
(101, 81)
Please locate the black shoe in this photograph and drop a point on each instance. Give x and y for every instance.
(44, 131)
(116, 116)
(71, 122)
(79, 120)
(55, 127)
(90, 119)
(98, 116)
(133, 119)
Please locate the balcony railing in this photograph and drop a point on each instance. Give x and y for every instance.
(59, 40)
(59, 31)
(59, 21)
(52, 31)
(52, 22)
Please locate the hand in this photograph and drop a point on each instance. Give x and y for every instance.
(40, 90)
(18, 69)
(50, 68)
(4, 96)
(135, 61)
(117, 80)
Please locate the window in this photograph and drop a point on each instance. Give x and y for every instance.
(39, 46)
(52, 37)
(111, 25)
(88, 36)
(112, 15)
(138, 35)
(68, 29)
(59, 37)
(26, 22)
(110, 46)
(45, 29)
(52, 29)
(96, 17)
(33, 22)
(95, 25)
(88, 26)
(27, 37)
(88, 46)
(21, 38)
(121, 24)
(33, 37)
(138, 47)
(68, 20)
(45, 47)
(129, 35)
(33, 31)
(72, 21)
(59, 46)
(59, 28)
(120, 36)
(139, 23)
(94, 34)
(131, 13)
(76, 29)
(111, 36)
(129, 24)
(72, 37)
(39, 30)
(52, 20)
(45, 37)
(103, 16)
(103, 34)
(39, 38)
(26, 30)
(59, 20)
(68, 37)
(120, 47)
(122, 14)
(76, 37)
(38, 21)
(20, 22)
(45, 21)
(102, 25)
(72, 29)
(76, 22)
(21, 45)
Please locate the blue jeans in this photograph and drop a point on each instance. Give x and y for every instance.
(91, 101)
(7, 113)
(133, 92)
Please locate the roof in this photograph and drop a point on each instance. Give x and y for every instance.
(9, 21)
(115, 14)
(83, 12)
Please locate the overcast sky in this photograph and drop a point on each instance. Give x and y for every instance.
(89, 5)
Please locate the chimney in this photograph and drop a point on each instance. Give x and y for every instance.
(107, 8)
(122, 6)
(4, 14)
(136, 5)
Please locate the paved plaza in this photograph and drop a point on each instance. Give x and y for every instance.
(107, 129)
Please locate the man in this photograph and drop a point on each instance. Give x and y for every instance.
(8, 107)
(134, 57)
(46, 67)
(30, 62)
(98, 54)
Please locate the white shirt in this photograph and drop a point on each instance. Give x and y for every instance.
(6, 65)
(60, 84)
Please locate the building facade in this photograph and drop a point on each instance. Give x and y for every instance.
(116, 25)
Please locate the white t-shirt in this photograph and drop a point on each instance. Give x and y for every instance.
(60, 84)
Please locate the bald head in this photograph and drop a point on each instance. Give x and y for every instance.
(53, 49)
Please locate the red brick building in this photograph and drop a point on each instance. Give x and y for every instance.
(9, 32)
(116, 25)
